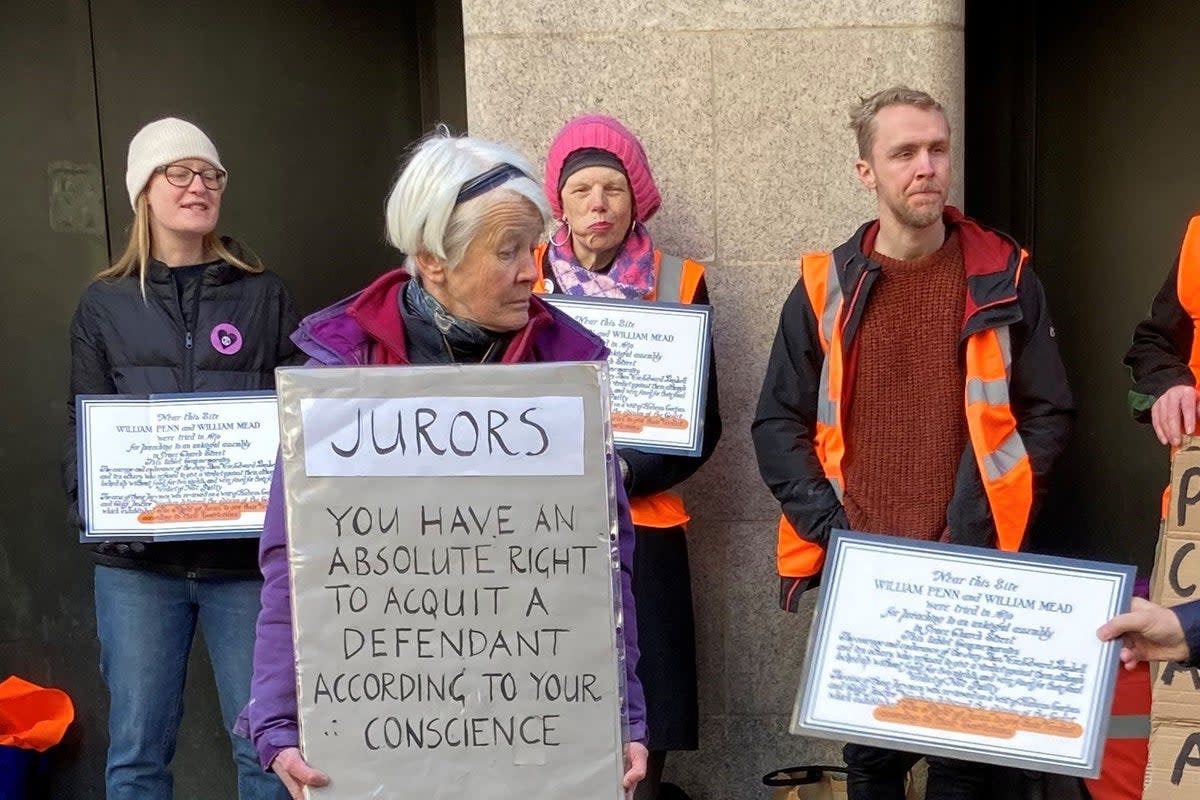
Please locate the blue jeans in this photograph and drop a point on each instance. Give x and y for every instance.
(146, 621)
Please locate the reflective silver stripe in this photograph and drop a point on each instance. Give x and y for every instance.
(837, 488)
(827, 410)
(670, 279)
(1132, 726)
(994, 393)
(1005, 348)
(998, 462)
(833, 299)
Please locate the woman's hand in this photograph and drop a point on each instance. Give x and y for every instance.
(295, 772)
(635, 766)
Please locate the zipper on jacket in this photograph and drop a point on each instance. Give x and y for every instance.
(862, 278)
(189, 356)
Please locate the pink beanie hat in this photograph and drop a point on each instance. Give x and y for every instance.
(603, 133)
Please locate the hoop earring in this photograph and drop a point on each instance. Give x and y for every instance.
(565, 226)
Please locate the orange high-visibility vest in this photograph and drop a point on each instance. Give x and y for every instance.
(1127, 748)
(676, 281)
(992, 427)
(1188, 286)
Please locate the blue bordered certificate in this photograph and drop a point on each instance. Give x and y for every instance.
(659, 363)
(167, 467)
(963, 652)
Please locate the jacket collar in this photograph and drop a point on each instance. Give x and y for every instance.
(992, 260)
(343, 332)
(218, 272)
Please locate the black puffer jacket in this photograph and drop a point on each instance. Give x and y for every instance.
(124, 344)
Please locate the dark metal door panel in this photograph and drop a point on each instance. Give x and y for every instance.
(310, 106)
(1117, 180)
(52, 237)
(1081, 119)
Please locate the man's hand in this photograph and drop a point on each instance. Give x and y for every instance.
(1151, 633)
(295, 772)
(1174, 414)
(635, 766)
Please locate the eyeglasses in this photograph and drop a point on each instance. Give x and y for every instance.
(181, 176)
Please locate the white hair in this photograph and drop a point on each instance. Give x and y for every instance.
(422, 212)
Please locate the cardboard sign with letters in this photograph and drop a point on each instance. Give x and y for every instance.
(1173, 772)
(452, 536)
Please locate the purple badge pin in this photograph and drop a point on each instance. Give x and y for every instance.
(226, 339)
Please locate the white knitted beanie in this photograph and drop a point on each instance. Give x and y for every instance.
(160, 143)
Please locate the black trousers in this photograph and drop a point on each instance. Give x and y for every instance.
(873, 773)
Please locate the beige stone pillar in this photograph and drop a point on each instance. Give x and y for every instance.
(742, 107)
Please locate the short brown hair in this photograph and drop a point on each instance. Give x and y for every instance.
(862, 116)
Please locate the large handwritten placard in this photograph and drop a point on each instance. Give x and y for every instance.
(659, 361)
(452, 542)
(1173, 768)
(963, 652)
(169, 467)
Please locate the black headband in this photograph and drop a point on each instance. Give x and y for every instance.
(589, 157)
(496, 176)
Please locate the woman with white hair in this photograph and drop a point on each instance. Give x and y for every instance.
(182, 310)
(467, 214)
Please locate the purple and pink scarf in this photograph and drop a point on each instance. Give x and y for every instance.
(629, 277)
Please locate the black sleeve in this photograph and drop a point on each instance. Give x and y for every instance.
(1189, 620)
(651, 473)
(785, 424)
(287, 354)
(90, 374)
(1039, 391)
(1158, 356)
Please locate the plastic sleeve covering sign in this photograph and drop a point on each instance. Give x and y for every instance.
(659, 358)
(190, 466)
(963, 652)
(452, 544)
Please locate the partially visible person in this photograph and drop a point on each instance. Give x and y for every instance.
(602, 193)
(1164, 356)
(1151, 632)
(914, 388)
(467, 214)
(182, 310)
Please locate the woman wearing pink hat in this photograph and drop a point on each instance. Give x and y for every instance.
(601, 191)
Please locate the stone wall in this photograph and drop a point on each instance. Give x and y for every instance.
(742, 107)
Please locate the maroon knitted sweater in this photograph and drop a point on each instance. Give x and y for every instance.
(905, 426)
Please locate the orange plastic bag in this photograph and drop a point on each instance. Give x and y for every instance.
(33, 717)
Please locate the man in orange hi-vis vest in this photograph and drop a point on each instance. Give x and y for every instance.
(914, 388)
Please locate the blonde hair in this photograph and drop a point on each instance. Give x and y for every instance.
(136, 258)
(862, 116)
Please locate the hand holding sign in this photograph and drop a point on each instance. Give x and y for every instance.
(1174, 414)
(1149, 632)
(295, 773)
